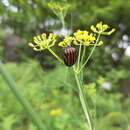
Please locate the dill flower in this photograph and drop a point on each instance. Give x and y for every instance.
(83, 37)
(59, 8)
(42, 42)
(55, 112)
(66, 41)
(102, 29)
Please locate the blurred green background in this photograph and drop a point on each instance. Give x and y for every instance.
(41, 78)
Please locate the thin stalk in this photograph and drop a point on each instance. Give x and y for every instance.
(62, 19)
(90, 53)
(82, 58)
(63, 23)
(22, 100)
(55, 55)
(83, 103)
(79, 56)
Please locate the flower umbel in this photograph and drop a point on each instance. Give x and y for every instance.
(42, 42)
(59, 7)
(102, 29)
(84, 38)
(66, 42)
(79, 38)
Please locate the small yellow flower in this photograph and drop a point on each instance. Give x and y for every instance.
(66, 42)
(83, 37)
(102, 29)
(42, 42)
(55, 112)
(59, 7)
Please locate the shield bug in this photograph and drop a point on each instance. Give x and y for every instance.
(69, 56)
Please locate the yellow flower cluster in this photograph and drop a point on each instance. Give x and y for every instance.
(42, 42)
(83, 37)
(80, 38)
(66, 42)
(102, 29)
(55, 112)
(59, 8)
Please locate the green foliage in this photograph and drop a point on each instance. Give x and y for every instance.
(44, 92)
(8, 122)
(114, 120)
(47, 92)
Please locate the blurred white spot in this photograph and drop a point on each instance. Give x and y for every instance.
(125, 37)
(106, 85)
(13, 9)
(5, 2)
(122, 27)
(51, 22)
(127, 51)
(120, 44)
(8, 30)
(115, 56)
(62, 32)
(123, 44)
(30, 2)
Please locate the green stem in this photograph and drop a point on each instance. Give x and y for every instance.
(62, 20)
(82, 58)
(90, 53)
(83, 102)
(79, 56)
(55, 55)
(22, 100)
(63, 23)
